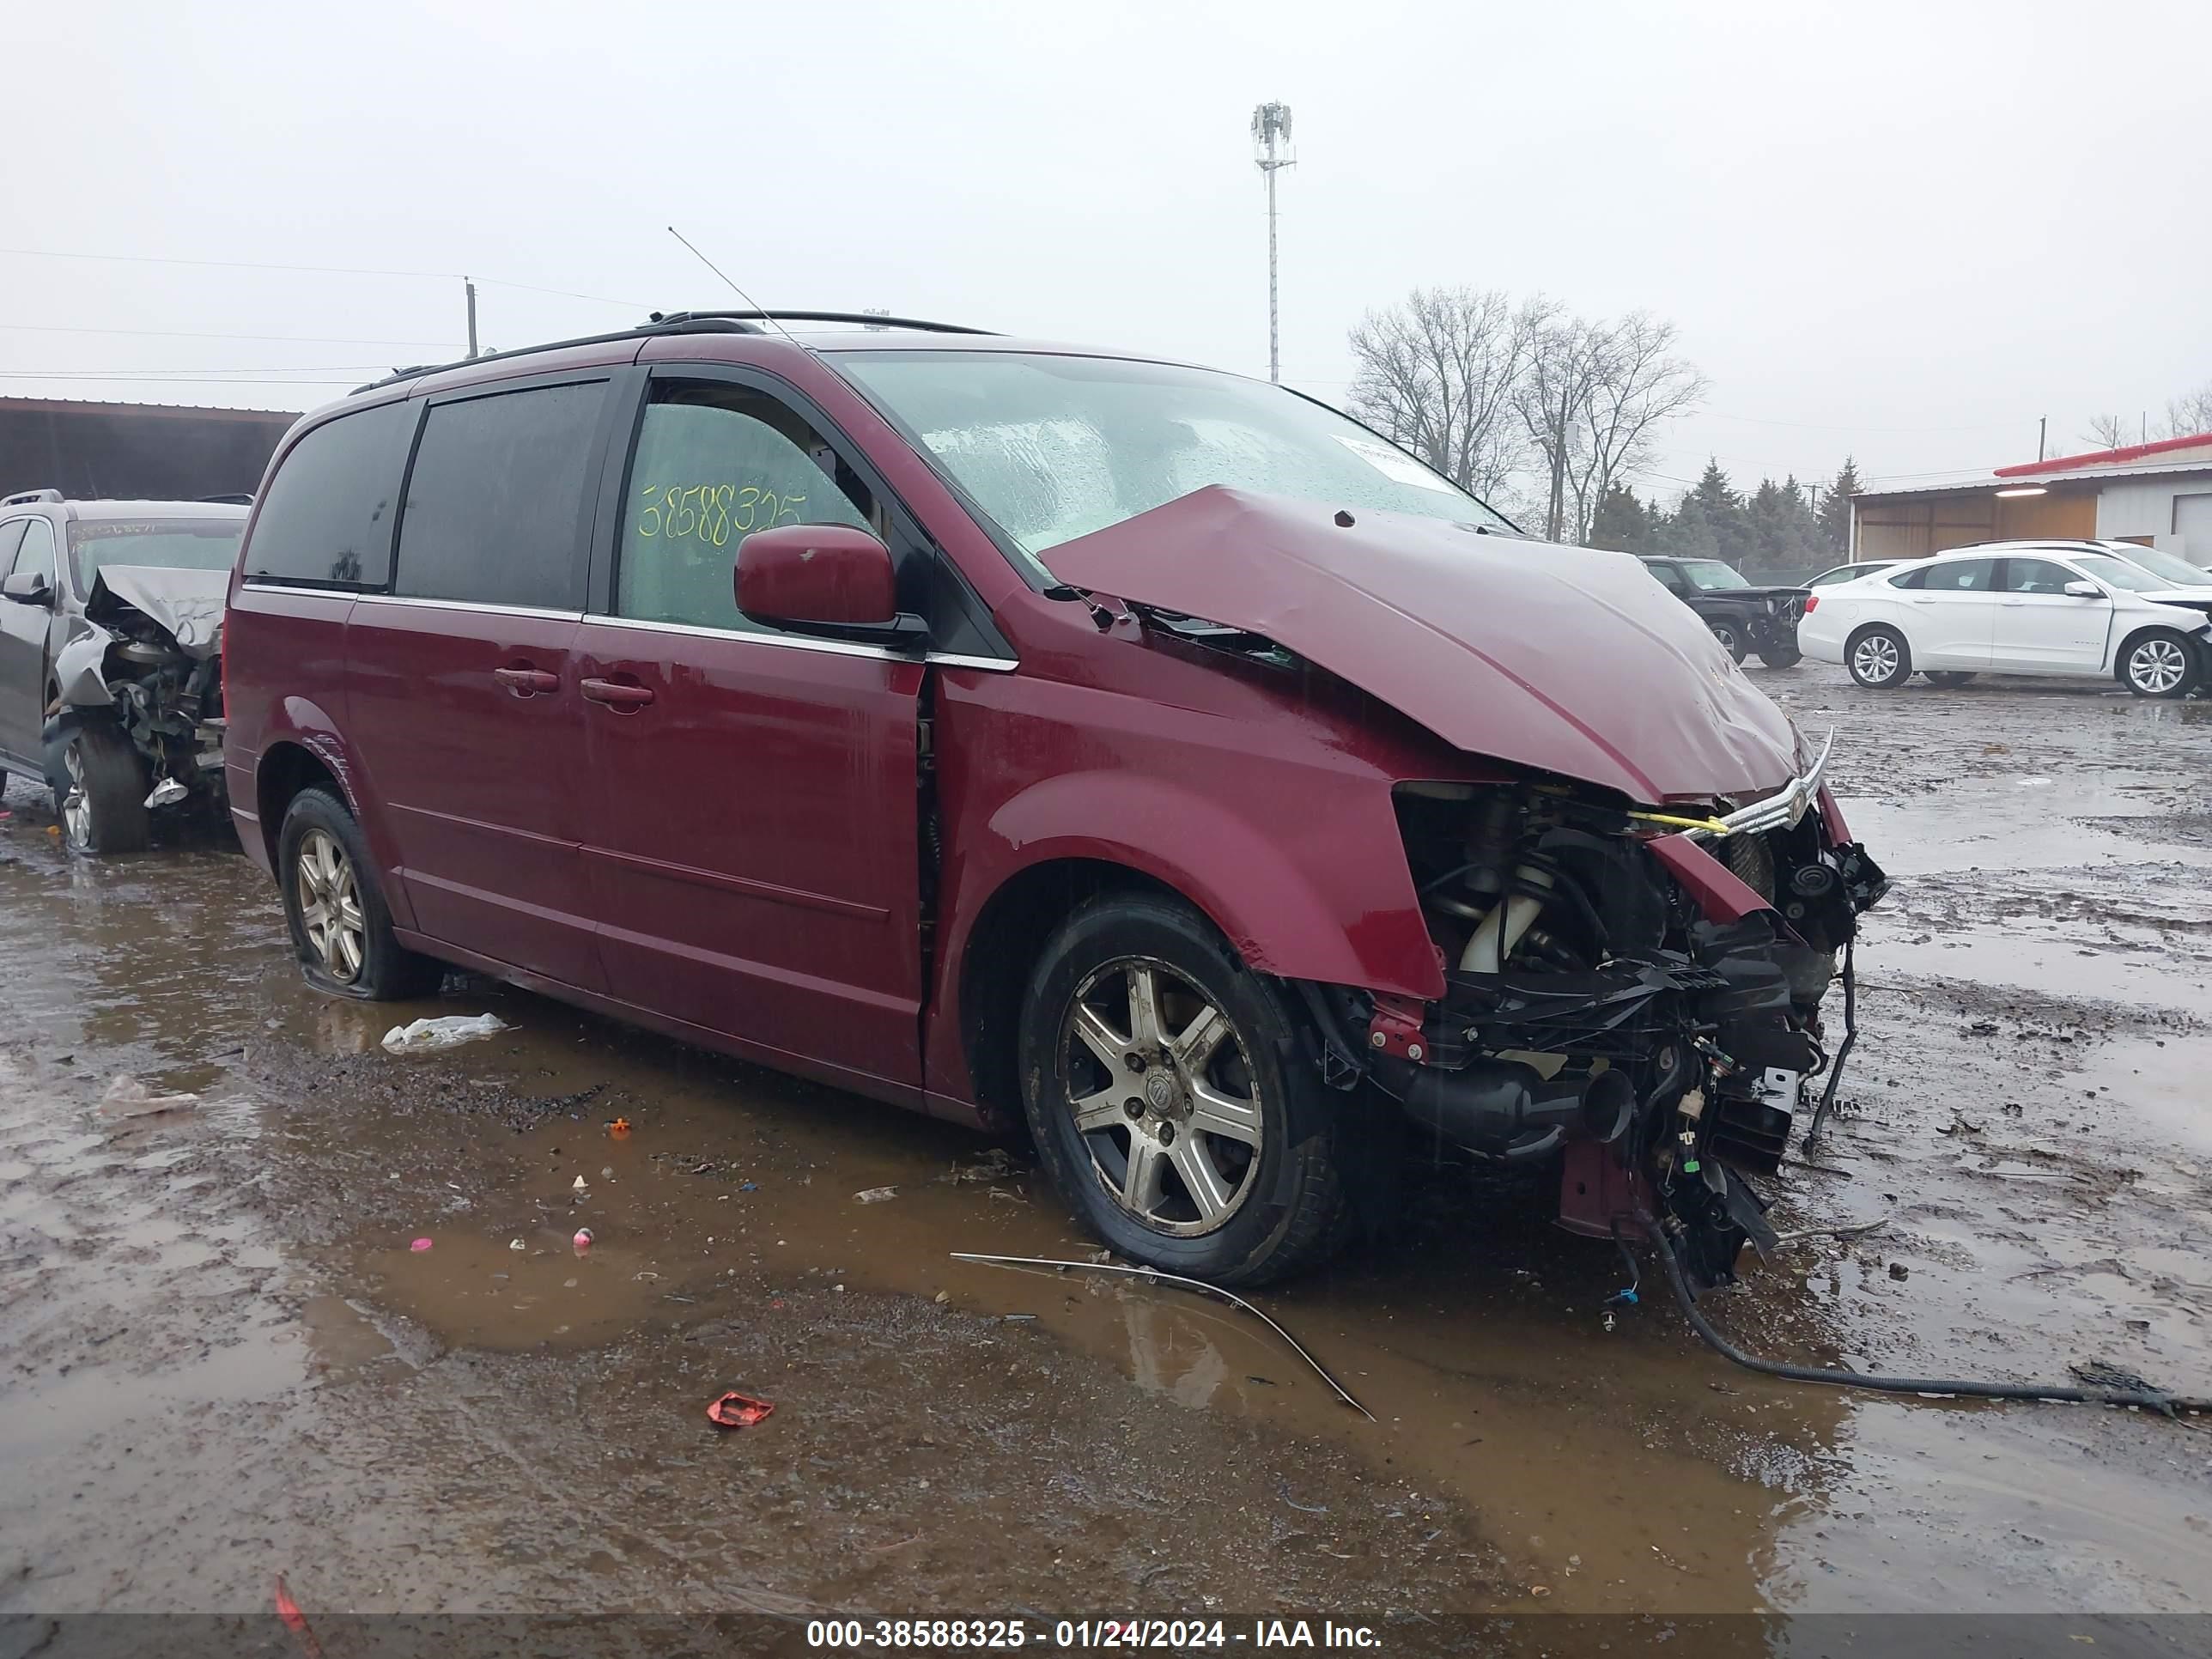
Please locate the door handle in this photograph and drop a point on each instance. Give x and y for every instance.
(526, 681)
(615, 694)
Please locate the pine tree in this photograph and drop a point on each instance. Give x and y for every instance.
(1712, 493)
(1767, 519)
(1621, 523)
(1687, 533)
(1836, 511)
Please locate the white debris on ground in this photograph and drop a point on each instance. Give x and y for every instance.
(127, 1097)
(427, 1036)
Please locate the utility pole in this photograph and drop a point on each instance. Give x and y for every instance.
(1271, 128)
(470, 289)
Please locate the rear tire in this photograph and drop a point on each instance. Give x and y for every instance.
(1731, 639)
(1228, 1168)
(335, 908)
(2159, 663)
(1879, 658)
(1949, 678)
(99, 788)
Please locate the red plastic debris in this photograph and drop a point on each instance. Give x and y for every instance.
(296, 1621)
(738, 1411)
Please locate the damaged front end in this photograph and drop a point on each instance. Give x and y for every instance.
(148, 666)
(1638, 991)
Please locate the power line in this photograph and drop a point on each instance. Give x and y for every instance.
(319, 271)
(1852, 426)
(182, 334)
(218, 377)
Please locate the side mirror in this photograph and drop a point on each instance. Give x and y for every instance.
(2084, 591)
(29, 587)
(829, 579)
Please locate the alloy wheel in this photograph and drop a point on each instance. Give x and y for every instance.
(76, 803)
(330, 906)
(2157, 666)
(1164, 1097)
(1728, 640)
(1875, 658)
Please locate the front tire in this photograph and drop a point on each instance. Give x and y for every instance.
(2160, 664)
(1731, 639)
(99, 788)
(1780, 656)
(1879, 658)
(335, 908)
(1174, 1100)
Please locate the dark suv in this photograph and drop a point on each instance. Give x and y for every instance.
(110, 632)
(1743, 618)
(1009, 730)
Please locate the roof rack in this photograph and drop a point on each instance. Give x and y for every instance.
(24, 497)
(238, 498)
(682, 322)
(866, 319)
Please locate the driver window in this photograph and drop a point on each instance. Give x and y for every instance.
(1669, 578)
(37, 556)
(2037, 577)
(713, 463)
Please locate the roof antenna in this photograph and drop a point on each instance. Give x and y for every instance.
(766, 316)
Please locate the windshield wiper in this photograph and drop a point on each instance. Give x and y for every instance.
(1083, 596)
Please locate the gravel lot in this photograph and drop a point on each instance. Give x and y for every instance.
(223, 1360)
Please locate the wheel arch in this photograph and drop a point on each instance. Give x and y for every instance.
(1000, 955)
(2134, 635)
(288, 767)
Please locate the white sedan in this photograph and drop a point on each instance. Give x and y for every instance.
(2075, 611)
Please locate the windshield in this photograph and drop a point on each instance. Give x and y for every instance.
(2174, 572)
(1053, 448)
(2120, 572)
(1711, 574)
(165, 544)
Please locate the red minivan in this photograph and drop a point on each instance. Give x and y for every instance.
(1016, 731)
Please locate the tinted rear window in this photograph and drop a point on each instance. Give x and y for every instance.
(495, 504)
(326, 519)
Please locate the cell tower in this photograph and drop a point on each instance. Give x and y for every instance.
(1271, 136)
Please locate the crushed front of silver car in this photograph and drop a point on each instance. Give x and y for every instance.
(137, 729)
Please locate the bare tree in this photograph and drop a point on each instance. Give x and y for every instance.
(2107, 432)
(1563, 368)
(1635, 382)
(1437, 372)
(2186, 416)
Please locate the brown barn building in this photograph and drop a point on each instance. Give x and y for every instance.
(2158, 494)
(157, 451)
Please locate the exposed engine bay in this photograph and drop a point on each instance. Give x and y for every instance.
(151, 663)
(1639, 991)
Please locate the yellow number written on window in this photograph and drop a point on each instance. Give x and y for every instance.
(711, 513)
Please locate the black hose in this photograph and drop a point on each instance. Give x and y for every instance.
(1835, 1376)
(1850, 979)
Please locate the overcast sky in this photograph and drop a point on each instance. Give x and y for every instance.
(1903, 230)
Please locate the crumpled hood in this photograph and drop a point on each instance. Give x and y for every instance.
(1560, 658)
(187, 603)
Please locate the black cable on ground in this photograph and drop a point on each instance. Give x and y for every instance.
(1851, 1035)
(1834, 1376)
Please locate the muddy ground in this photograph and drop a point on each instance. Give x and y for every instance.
(220, 1357)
